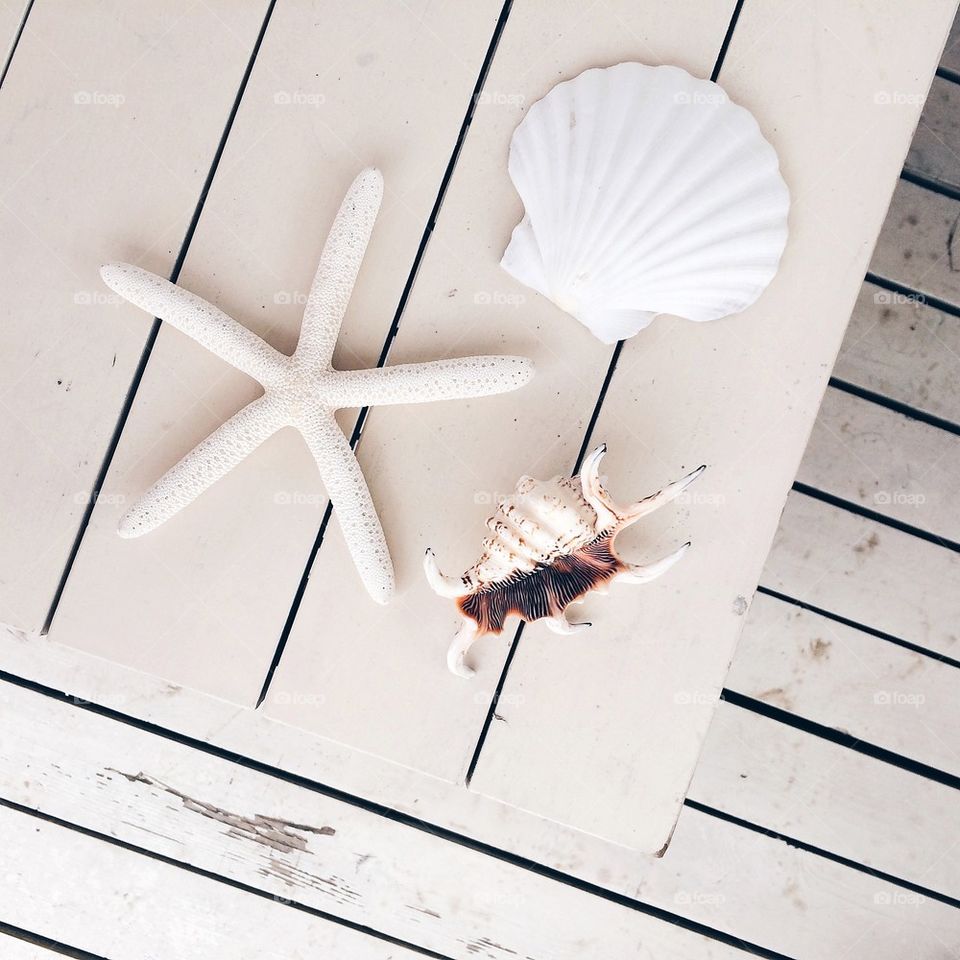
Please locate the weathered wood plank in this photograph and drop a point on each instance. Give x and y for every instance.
(295, 844)
(830, 797)
(918, 243)
(382, 83)
(122, 905)
(902, 348)
(885, 461)
(841, 677)
(951, 52)
(868, 573)
(89, 173)
(741, 396)
(376, 678)
(935, 150)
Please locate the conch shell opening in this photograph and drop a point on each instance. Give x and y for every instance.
(552, 544)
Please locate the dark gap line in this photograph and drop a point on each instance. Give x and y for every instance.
(910, 293)
(16, 42)
(388, 813)
(388, 342)
(219, 878)
(54, 946)
(154, 331)
(945, 73)
(587, 437)
(850, 507)
(928, 183)
(820, 852)
(841, 739)
(856, 625)
(896, 406)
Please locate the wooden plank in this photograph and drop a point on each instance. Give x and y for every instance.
(885, 461)
(307, 848)
(844, 678)
(209, 592)
(73, 888)
(950, 58)
(831, 797)
(740, 396)
(91, 173)
(917, 245)
(935, 150)
(376, 678)
(715, 873)
(899, 347)
(868, 573)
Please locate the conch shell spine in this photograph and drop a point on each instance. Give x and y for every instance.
(553, 544)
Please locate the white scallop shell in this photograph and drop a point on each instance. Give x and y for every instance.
(646, 191)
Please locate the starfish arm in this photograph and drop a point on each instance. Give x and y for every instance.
(351, 501)
(201, 467)
(339, 265)
(197, 318)
(422, 382)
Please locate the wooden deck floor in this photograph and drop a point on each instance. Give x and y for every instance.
(369, 807)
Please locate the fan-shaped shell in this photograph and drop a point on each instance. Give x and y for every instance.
(645, 191)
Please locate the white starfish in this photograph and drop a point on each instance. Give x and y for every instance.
(304, 390)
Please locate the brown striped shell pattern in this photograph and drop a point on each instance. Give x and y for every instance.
(552, 543)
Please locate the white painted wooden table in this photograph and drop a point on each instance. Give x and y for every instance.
(373, 805)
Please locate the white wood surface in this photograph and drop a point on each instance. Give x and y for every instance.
(804, 787)
(90, 172)
(886, 462)
(118, 904)
(376, 678)
(916, 241)
(151, 792)
(903, 349)
(934, 150)
(11, 16)
(844, 678)
(868, 573)
(616, 711)
(208, 595)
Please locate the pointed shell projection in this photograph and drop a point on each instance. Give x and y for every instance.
(645, 191)
(551, 543)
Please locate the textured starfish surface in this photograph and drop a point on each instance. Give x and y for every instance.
(303, 390)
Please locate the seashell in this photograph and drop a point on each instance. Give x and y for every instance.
(645, 191)
(552, 543)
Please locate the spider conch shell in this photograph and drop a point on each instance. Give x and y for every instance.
(645, 191)
(552, 543)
